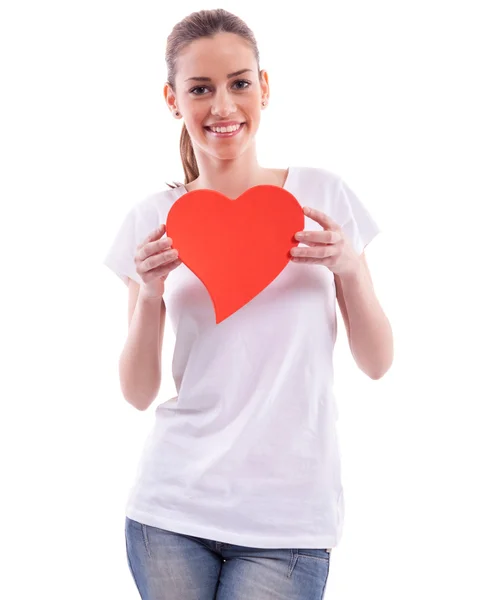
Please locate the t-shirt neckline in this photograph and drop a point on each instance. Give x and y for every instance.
(285, 185)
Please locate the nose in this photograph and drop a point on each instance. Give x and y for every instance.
(223, 105)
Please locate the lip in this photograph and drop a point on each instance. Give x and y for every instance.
(224, 124)
(227, 134)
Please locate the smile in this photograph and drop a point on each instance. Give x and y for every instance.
(226, 134)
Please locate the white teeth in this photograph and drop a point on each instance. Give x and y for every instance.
(225, 129)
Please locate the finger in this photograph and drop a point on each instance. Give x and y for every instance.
(169, 263)
(160, 245)
(154, 247)
(173, 264)
(164, 257)
(162, 270)
(314, 252)
(154, 235)
(157, 261)
(326, 262)
(318, 237)
(321, 218)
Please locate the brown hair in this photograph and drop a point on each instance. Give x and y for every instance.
(204, 23)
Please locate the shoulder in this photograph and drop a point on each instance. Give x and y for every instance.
(316, 186)
(314, 175)
(147, 213)
(156, 203)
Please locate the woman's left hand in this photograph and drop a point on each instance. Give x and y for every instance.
(329, 248)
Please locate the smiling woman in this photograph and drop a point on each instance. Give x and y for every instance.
(239, 487)
(216, 85)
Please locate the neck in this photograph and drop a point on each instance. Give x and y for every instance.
(231, 177)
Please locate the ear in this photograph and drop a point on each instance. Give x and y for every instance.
(169, 96)
(264, 83)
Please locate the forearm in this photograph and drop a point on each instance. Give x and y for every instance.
(140, 361)
(370, 332)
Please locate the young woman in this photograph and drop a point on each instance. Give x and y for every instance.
(238, 494)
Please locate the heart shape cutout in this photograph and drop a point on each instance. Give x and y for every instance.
(235, 247)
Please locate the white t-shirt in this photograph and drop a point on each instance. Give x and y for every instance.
(247, 451)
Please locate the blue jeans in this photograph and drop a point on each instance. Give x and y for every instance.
(174, 566)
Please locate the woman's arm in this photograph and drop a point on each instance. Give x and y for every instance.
(140, 360)
(368, 329)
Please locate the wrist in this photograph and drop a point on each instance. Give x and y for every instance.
(353, 274)
(143, 296)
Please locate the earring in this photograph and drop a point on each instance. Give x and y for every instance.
(264, 103)
(177, 113)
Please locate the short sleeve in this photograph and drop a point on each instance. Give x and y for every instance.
(138, 223)
(355, 219)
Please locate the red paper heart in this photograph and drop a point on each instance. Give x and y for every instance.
(235, 247)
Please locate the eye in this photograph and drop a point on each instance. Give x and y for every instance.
(203, 87)
(243, 81)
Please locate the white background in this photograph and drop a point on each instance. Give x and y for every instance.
(381, 93)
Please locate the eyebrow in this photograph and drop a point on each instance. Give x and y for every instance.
(209, 79)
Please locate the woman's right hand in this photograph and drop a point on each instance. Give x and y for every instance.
(154, 260)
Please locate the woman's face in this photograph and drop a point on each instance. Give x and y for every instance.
(220, 98)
